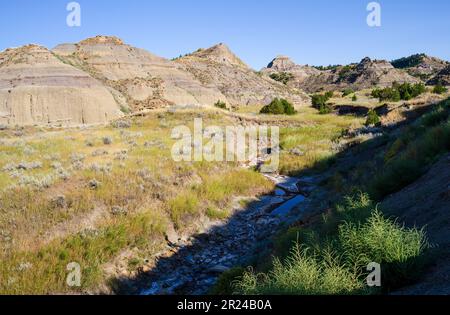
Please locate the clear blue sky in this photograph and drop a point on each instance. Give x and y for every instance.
(309, 31)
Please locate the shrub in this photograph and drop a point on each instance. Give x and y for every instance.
(220, 104)
(359, 240)
(439, 89)
(408, 62)
(319, 101)
(107, 140)
(283, 77)
(354, 98)
(372, 118)
(397, 249)
(329, 94)
(347, 92)
(397, 92)
(279, 107)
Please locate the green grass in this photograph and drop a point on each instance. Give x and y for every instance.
(333, 261)
(91, 249)
(410, 155)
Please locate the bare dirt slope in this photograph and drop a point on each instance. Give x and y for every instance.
(37, 88)
(426, 203)
(218, 66)
(139, 78)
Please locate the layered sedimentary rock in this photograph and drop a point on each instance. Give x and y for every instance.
(143, 79)
(366, 74)
(218, 66)
(36, 88)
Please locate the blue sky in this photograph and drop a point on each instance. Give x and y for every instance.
(318, 32)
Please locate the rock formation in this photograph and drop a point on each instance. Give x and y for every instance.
(366, 74)
(443, 77)
(36, 88)
(218, 66)
(140, 79)
(421, 66)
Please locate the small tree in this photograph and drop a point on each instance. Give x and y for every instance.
(220, 104)
(279, 107)
(372, 118)
(354, 98)
(347, 92)
(440, 89)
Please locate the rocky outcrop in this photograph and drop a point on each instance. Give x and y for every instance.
(421, 66)
(366, 74)
(219, 67)
(443, 77)
(141, 78)
(298, 73)
(36, 88)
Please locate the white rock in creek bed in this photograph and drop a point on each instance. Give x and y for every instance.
(286, 183)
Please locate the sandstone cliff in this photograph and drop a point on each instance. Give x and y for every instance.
(140, 79)
(36, 88)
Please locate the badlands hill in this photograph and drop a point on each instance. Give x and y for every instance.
(219, 67)
(368, 73)
(138, 78)
(283, 64)
(101, 78)
(421, 66)
(442, 77)
(37, 88)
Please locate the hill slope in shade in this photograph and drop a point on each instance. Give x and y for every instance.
(442, 77)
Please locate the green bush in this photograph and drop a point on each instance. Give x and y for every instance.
(361, 239)
(372, 118)
(439, 89)
(397, 92)
(319, 101)
(408, 62)
(347, 92)
(279, 107)
(220, 104)
(354, 98)
(283, 77)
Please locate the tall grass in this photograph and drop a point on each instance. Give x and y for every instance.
(411, 153)
(336, 262)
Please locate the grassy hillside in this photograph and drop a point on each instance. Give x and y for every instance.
(330, 255)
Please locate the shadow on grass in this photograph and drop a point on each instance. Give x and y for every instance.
(245, 238)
